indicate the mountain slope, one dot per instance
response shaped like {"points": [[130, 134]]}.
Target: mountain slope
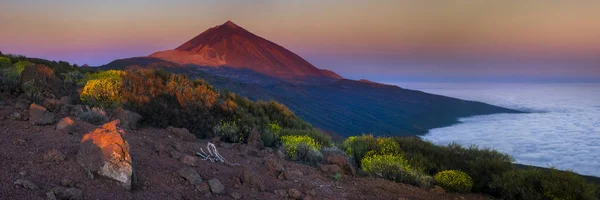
{"points": [[229, 57], [233, 46]]}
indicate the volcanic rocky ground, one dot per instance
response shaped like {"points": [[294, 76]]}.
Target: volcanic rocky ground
{"points": [[40, 162]]}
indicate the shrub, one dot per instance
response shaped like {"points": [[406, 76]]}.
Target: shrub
{"points": [[480, 164], [20, 66], [72, 77], [10, 79], [301, 148], [230, 131], [358, 146], [543, 184], [319, 137], [270, 135], [34, 93], [103, 89], [95, 116], [393, 167], [454, 181], [5, 61]]}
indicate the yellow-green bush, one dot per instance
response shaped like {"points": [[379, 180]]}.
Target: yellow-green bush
{"points": [[103, 89], [359, 146], [454, 181], [5, 61], [395, 168], [319, 137], [301, 148]]}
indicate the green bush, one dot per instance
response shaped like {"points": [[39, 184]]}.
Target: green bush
{"points": [[20, 66], [103, 89], [34, 93], [480, 164], [543, 184], [231, 131], [5, 61], [394, 167], [319, 137], [358, 146], [454, 181], [301, 148], [270, 135]]}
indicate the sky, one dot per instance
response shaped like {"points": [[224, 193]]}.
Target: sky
{"points": [[385, 40]]}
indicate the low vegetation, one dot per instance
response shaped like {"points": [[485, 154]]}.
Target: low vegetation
{"points": [[301, 148], [454, 181]]}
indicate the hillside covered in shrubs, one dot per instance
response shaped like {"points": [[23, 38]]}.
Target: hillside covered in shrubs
{"points": [[163, 99]]}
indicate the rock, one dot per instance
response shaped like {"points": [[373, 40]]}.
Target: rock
{"points": [[17, 116], [181, 133], [22, 104], [27, 184], [294, 193], [342, 162], [330, 169], [215, 186], [312, 192], [281, 193], [66, 125], [273, 165], [129, 119], [307, 197], [106, 152], [254, 139], [20, 142], [438, 190], [76, 110], [175, 154], [237, 183], [50, 196], [203, 187], [67, 182], [39, 115], [178, 146], [251, 180], [235, 195], [70, 193], [65, 100], [292, 175], [189, 160], [51, 104], [280, 154], [54, 156], [190, 175], [256, 153]]}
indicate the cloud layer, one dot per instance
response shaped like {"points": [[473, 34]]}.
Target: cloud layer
{"points": [[563, 129]]}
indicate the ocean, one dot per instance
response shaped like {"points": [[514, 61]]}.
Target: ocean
{"points": [[561, 128]]}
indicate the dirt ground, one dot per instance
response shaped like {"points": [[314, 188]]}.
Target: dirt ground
{"points": [[23, 146]]}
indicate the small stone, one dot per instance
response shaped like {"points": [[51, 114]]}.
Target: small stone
{"points": [[54, 156], [235, 195], [67, 182], [129, 119], [189, 160], [175, 154], [438, 189], [20, 142], [215, 186], [67, 125], [17, 116], [292, 175], [181, 133], [294, 193], [312, 192], [65, 100], [23, 173], [70, 193], [203, 187], [190, 175], [273, 165], [281, 193], [27, 184]]}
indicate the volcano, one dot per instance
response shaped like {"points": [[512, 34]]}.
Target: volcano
{"points": [[229, 45]]}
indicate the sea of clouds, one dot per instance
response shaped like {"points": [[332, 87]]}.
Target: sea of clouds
{"points": [[562, 128]]}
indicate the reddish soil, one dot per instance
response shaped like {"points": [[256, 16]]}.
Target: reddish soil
{"points": [[23, 145]]}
